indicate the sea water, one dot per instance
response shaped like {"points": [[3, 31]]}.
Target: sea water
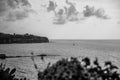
{"points": [[105, 50]]}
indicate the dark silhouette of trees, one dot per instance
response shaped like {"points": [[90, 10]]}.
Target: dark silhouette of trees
{"points": [[17, 38], [8, 74], [74, 70]]}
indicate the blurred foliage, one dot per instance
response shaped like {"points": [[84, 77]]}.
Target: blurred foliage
{"points": [[74, 69], [8, 74], [70, 69]]}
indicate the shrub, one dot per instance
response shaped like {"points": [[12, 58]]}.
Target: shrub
{"points": [[73, 69], [7, 74]]}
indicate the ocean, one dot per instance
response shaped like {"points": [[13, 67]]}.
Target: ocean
{"points": [[105, 50]]}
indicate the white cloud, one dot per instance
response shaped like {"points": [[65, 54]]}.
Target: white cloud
{"points": [[86, 28], [13, 10]]}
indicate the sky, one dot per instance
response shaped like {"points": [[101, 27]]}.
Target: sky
{"points": [[62, 19]]}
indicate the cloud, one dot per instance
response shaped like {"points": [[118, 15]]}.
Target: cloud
{"points": [[64, 14], [14, 9], [91, 11], [16, 3], [3, 7], [59, 20], [51, 6], [12, 3], [17, 15], [59, 17], [71, 10], [25, 2], [69, 13]]}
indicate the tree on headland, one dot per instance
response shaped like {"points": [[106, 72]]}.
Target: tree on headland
{"points": [[25, 38]]}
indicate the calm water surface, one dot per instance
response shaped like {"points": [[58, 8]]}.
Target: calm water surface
{"points": [[103, 49]]}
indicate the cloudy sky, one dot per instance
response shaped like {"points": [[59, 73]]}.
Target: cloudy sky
{"points": [[62, 19]]}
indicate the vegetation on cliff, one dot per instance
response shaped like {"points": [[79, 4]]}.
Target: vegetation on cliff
{"points": [[18, 38]]}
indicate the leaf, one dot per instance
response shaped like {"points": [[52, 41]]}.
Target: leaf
{"points": [[12, 71], [7, 70]]}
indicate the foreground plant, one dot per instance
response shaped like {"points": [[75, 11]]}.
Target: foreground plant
{"points": [[74, 69], [7, 74]]}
